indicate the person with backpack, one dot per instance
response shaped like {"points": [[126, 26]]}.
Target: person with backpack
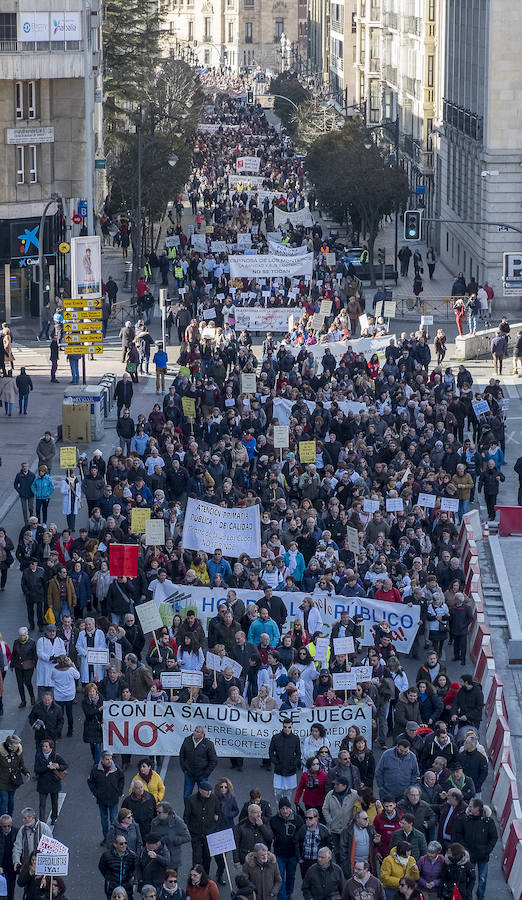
{"points": [[472, 308]]}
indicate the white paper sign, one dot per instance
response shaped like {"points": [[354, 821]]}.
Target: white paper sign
{"points": [[97, 657], [299, 217], [248, 164], [234, 531], [192, 679], [371, 506], [449, 504], [426, 320], [171, 679], [227, 663], [213, 661], [52, 863], [344, 681], [154, 532], [390, 307], [149, 616], [427, 500], [352, 536], [221, 841], [321, 649], [248, 383], [209, 314], [363, 322], [362, 673], [281, 437], [199, 243], [343, 645], [394, 504]]}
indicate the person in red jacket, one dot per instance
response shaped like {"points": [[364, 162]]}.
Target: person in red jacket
{"points": [[311, 787], [388, 593], [328, 699], [385, 823]]}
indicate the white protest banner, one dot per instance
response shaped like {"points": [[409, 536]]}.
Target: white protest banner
{"points": [[281, 437], [344, 681], [199, 243], [362, 673], [154, 532], [227, 663], [234, 531], [97, 657], [449, 504], [244, 238], [394, 504], [221, 842], [403, 619], [299, 217], [321, 649], [427, 500], [218, 246], [353, 539], [213, 661], [149, 616], [270, 266], [256, 318], [211, 128], [285, 250], [192, 679], [248, 164], [171, 680], [245, 181], [343, 645], [371, 506], [248, 383], [52, 863], [368, 346], [160, 728]]}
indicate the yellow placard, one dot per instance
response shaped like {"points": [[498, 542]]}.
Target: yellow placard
{"points": [[209, 229], [78, 316], [138, 519], [67, 457], [83, 349], [82, 326], [64, 247], [189, 407], [307, 451], [82, 304]]}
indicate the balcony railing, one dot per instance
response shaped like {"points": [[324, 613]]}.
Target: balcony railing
{"points": [[390, 73], [411, 86], [391, 20], [413, 25], [464, 120]]}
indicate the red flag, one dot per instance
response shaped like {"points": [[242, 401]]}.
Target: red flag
{"points": [[123, 559], [456, 893]]}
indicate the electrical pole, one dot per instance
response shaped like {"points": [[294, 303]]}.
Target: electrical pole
{"points": [[89, 154]]}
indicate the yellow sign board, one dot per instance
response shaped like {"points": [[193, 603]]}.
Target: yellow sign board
{"points": [[73, 316], [82, 304], [82, 326], [64, 247], [189, 407], [83, 349], [307, 451], [82, 338], [138, 519], [67, 457]]}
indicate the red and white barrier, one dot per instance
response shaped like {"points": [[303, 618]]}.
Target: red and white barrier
{"points": [[512, 859], [500, 743], [482, 639], [473, 579], [495, 695], [485, 668], [504, 794], [469, 555]]}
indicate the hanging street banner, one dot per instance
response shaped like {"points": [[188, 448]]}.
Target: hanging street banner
{"points": [[256, 318], [270, 266], [160, 728], [403, 619], [281, 249], [299, 217], [234, 531]]}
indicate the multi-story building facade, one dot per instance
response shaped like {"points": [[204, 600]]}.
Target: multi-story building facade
{"points": [[342, 52], [42, 144], [396, 63], [479, 136], [242, 35]]}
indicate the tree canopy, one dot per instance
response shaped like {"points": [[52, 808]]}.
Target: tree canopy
{"points": [[288, 85]]}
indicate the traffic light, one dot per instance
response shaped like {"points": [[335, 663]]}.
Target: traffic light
{"points": [[412, 225], [250, 96], [381, 256]]}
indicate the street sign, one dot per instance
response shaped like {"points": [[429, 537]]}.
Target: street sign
{"points": [[82, 208], [100, 164], [64, 247], [77, 219], [83, 349], [82, 326], [512, 272], [74, 316], [80, 304], [83, 338]]}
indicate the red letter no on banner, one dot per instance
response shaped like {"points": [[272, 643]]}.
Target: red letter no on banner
{"points": [[136, 734]]}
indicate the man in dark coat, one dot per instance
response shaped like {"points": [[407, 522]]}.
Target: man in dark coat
{"points": [[46, 719], [8, 834], [468, 705], [106, 784], [285, 753], [118, 866], [123, 393], [34, 589], [201, 816], [324, 879], [152, 862], [197, 758], [478, 832], [142, 806], [251, 831]]}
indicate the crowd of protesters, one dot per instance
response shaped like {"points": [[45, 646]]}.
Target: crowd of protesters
{"points": [[392, 815]]}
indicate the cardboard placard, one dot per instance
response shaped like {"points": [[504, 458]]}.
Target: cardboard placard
{"points": [[449, 504], [363, 322], [213, 661], [371, 506], [281, 436], [149, 616], [427, 500], [52, 864], [426, 320], [352, 536], [362, 673], [221, 841], [480, 407], [97, 657], [326, 307], [171, 680], [139, 517], [394, 504], [154, 532], [321, 649], [123, 560], [307, 452], [236, 667], [343, 645], [248, 383], [192, 679], [209, 314], [390, 309], [343, 681], [317, 321], [68, 457], [188, 405]]}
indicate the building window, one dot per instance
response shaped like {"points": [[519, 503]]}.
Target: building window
{"points": [[248, 33], [19, 95], [431, 10], [230, 32], [206, 57], [190, 30], [279, 25], [208, 29], [430, 70], [249, 4], [375, 101], [8, 31], [33, 169], [20, 166]]}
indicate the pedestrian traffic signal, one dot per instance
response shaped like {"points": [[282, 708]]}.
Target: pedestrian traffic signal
{"points": [[412, 225], [381, 256], [250, 96]]}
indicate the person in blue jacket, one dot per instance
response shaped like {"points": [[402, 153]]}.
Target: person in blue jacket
{"points": [[264, 625], [218, 565], [294, 561], [160, 360]]}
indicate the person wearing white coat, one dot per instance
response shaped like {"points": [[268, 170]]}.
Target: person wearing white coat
{"points": [[307, 675], [312, 617], [48, 649], [71, 490], [91, 639]]}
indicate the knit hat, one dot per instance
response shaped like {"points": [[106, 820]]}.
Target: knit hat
{"points": [[284, 801]]}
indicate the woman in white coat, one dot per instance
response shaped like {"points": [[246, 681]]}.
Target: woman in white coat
{"points": [[91, 639], [71, 490], [311, 615]]}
